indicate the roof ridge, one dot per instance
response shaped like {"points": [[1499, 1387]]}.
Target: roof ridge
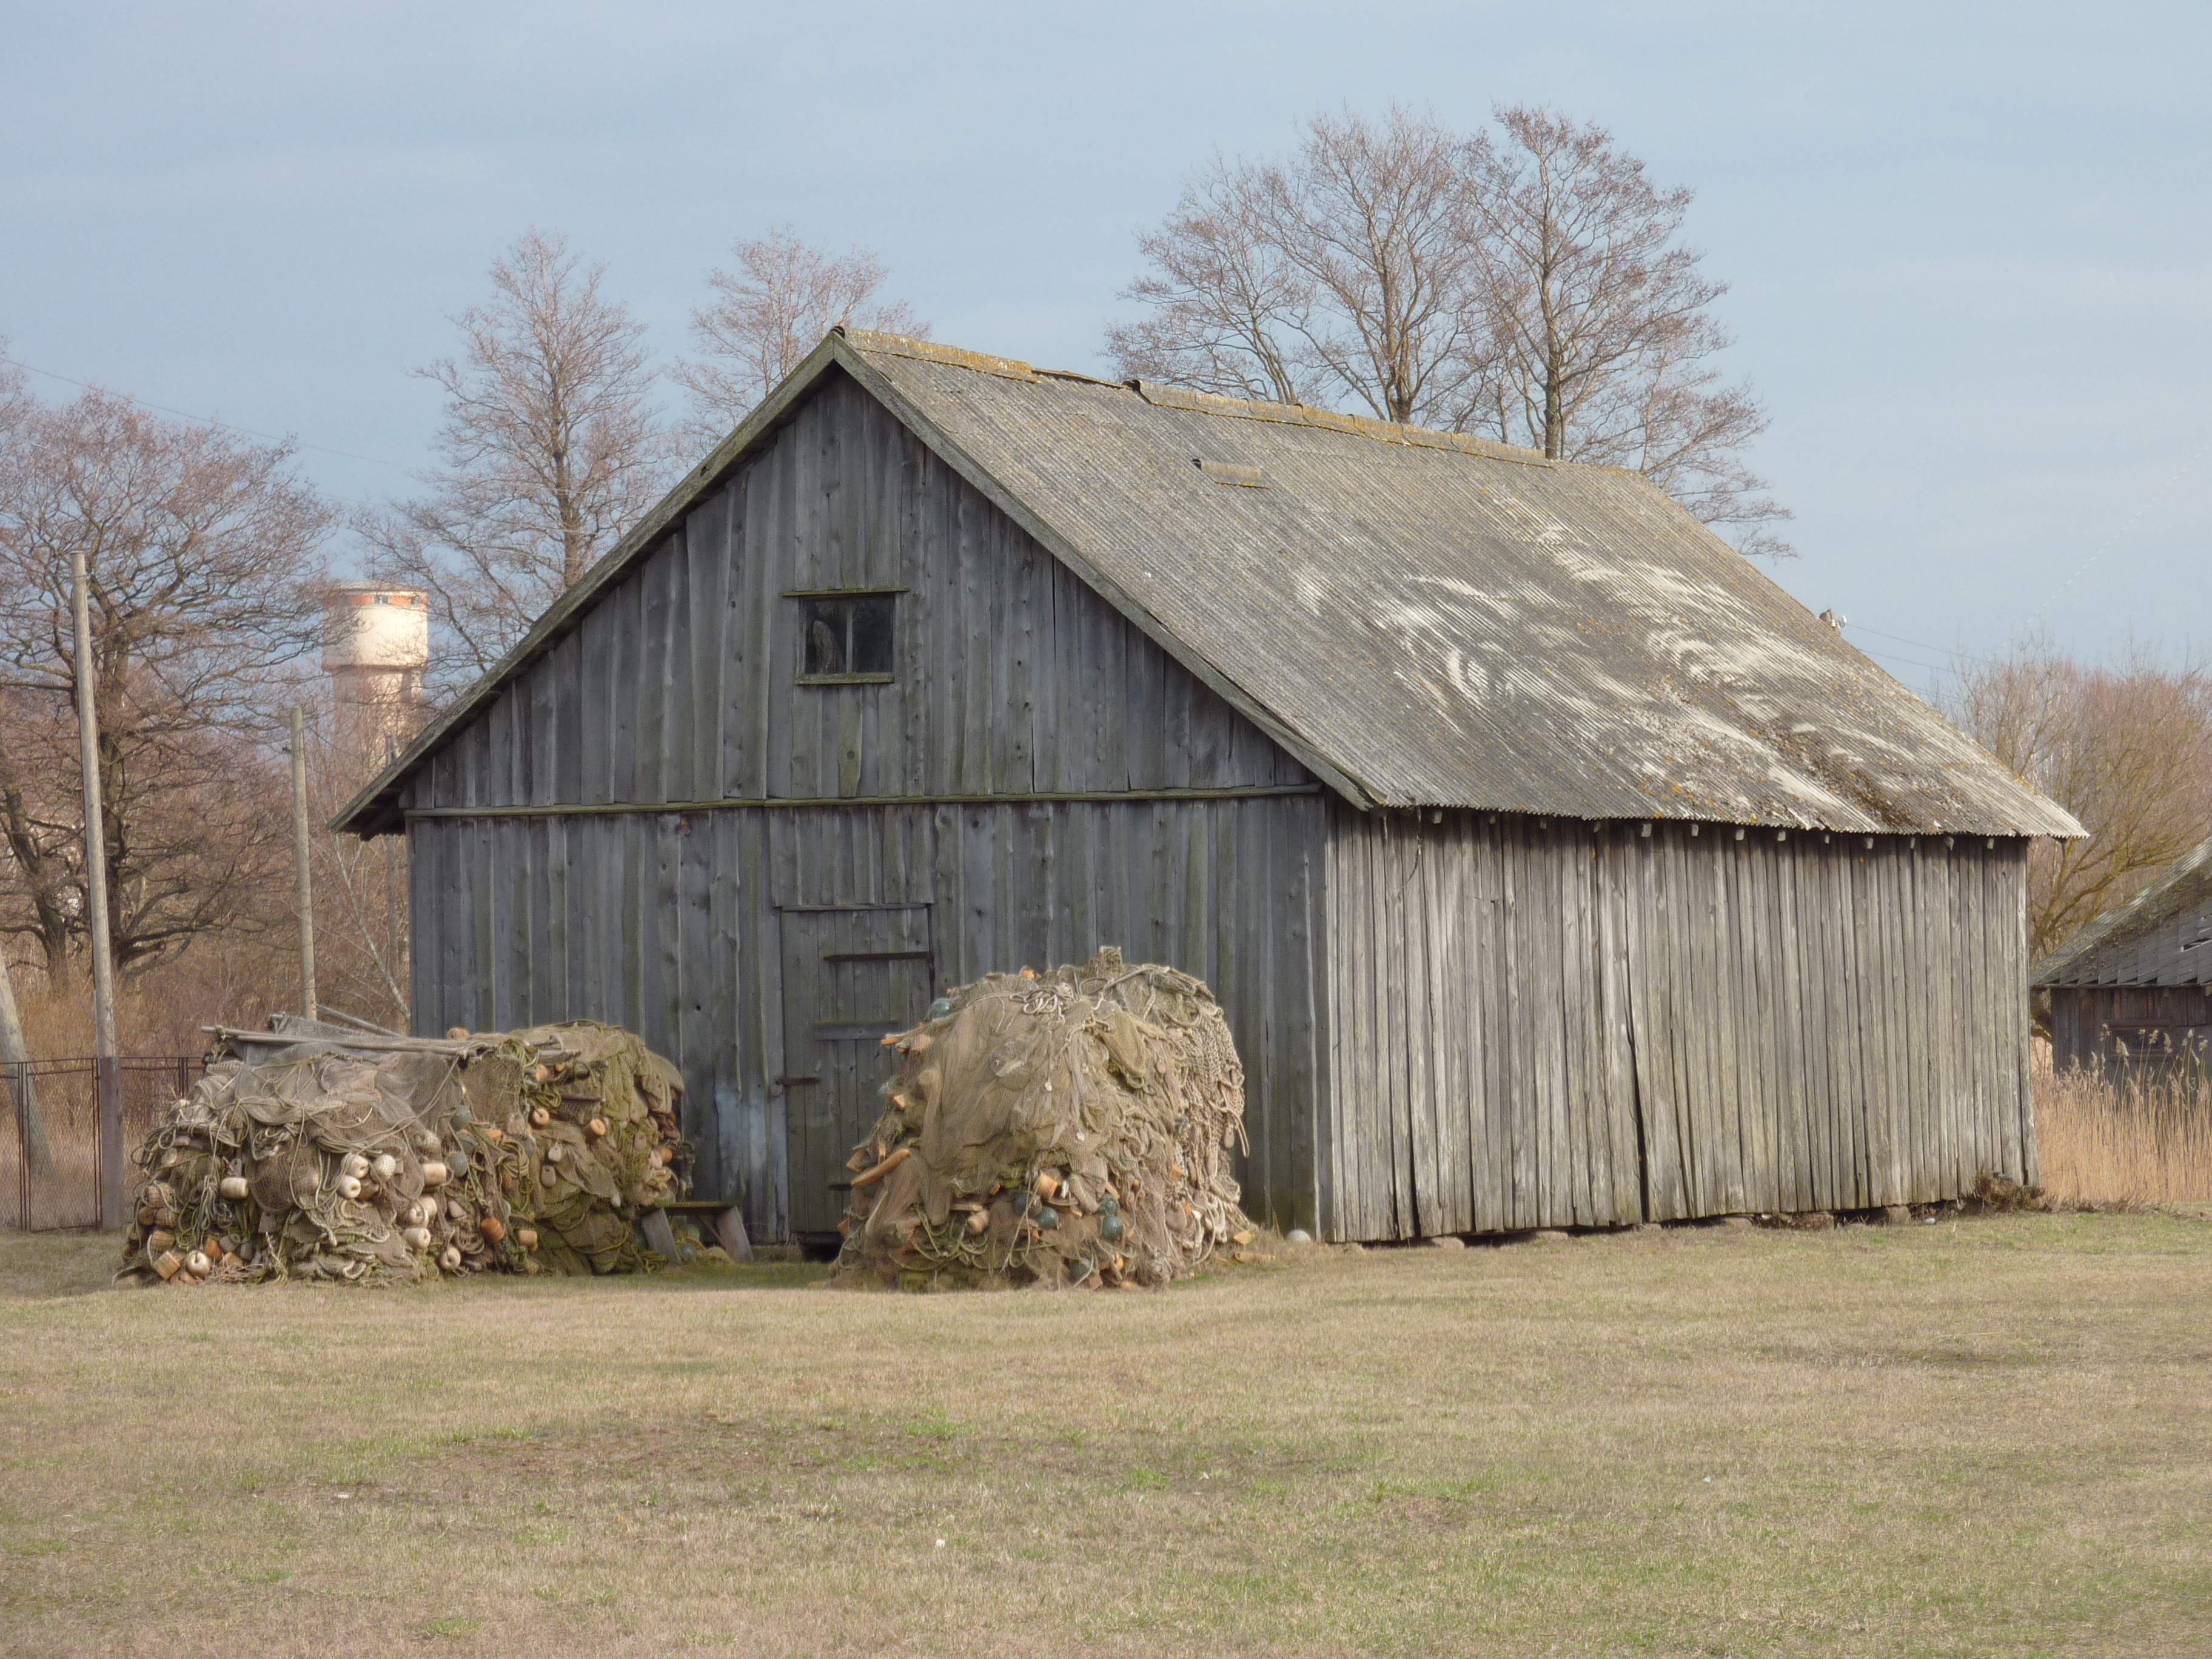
{"points": [[1164, 396], [901, 345]]}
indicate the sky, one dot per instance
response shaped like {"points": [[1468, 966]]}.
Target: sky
{"points": [[1968, 246]]}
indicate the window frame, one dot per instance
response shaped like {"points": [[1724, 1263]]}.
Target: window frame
{"points": [[800, 677]]}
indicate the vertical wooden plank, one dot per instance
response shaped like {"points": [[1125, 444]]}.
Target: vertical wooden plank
{"points": [[1615, 1079], [680, 712], [1573, 1197], [1809, 972], [1752, 971], [1453, 970], [1359, 1134], [2008, 861], [1296, 1014]]}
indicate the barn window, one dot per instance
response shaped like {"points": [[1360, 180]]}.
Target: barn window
{"points": [[845, 639]]}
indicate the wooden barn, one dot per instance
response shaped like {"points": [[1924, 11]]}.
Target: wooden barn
{"points": [[1553, 865], [2137, 983]]}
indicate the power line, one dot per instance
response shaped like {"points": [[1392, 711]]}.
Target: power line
{"points": [[1933, 668], [209, 420], [2187, 469], [1917, 645]]}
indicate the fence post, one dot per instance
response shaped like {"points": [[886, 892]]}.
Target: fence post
{"points": [[111, 1143], [19, 1079], [31, 1143]]}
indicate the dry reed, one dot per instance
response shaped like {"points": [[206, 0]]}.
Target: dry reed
{"points": [[165, 1009], [2133, 1133]]}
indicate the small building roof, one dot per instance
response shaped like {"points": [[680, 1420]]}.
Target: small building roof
{"points": [[1423, 618], [2162, 936]]}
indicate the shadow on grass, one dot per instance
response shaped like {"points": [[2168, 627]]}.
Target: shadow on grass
{"points": [[36, 1266]]}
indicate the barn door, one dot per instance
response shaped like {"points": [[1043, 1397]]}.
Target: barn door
{"points": [[850, 976]]}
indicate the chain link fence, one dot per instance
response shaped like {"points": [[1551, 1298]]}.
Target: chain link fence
{"points": [[54, 1170]]}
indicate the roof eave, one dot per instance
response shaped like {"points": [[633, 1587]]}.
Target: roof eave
{"points": [[2061, 968]]}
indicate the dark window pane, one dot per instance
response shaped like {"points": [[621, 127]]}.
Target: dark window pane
{"points": [[841, 636], [870, 637]]}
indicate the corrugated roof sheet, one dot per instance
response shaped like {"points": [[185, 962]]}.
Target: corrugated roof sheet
{"points": [[2117, 948], [1453, 622], [1427, 619]]}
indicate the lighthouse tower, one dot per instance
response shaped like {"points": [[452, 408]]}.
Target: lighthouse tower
{"points": [[376, 643]]}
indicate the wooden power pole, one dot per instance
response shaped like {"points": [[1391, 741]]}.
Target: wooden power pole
{"points": [[95, 886], [301, 876]]}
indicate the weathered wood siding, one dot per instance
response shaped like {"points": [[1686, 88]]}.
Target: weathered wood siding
{"points": [[1560, 1023], [1013, 677], [2092, 1024], [667, 924], [1468, 1024], [983, 779]]}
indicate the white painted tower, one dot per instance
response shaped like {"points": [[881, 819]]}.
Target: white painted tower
{"points": [[376, 643]]}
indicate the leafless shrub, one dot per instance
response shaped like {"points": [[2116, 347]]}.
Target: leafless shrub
{"points": [[550, 447], [2127, 749], [783, 296], [233, 977]]}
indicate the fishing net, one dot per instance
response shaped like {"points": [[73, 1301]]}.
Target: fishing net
{"points": [[1071, 1128], [313, 1152]]}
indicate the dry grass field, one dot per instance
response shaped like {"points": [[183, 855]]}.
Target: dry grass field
{"points": [[1982, 1436]]}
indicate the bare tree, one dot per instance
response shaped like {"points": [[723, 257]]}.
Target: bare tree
{"points": [[1226, 310], [203, 552], [1341, 275], [1376, 219], [767, 313], [2127, 749], [550, 447], [1600, 335], [1528, 286]]}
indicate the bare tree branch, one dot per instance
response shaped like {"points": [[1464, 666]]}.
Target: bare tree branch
{"points": [[361, 924], [1339, 275], [1598, 322], [1528, 286], [2127, 749], [204, 554], [1228, 313], [769, 312], [551, 450], [1377, 220]]}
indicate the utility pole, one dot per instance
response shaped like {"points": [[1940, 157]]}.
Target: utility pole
{"points": [[306, 887], [95, 886]]}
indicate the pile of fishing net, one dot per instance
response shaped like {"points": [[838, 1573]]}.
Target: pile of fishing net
{"points": [[1070, 1128], [315, 1152]]}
